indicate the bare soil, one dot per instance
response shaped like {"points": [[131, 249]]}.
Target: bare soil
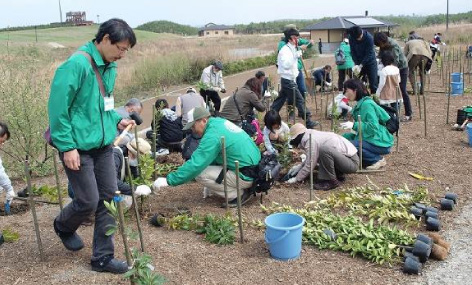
{"points": [[185, 258]]}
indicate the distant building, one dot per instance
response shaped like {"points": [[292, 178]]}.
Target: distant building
{"points": [[333, 31], [77, 19], [213, 30]]}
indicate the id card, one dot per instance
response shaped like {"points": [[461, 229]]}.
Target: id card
{"points": [[109, 103]]}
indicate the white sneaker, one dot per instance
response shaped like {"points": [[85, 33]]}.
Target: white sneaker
{"points": [[206, 193], [377, 165], [162, 151]]}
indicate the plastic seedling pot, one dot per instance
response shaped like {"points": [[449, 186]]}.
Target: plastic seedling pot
{"points": [[433, 224], [417, 212], [431, 214], [431, 209], [411, 266], [447, 204], [157, 220], [420, 206], [2, 240], [410, 255], [451, 196], [424, 238], [422, 250]]}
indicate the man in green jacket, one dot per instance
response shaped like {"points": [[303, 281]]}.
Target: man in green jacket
{"points": [[83, 125], [205, 164]]}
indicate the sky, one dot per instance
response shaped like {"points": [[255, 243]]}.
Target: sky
{"points": [[199, 12]]}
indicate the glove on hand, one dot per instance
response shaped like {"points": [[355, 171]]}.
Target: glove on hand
{"points": [[160, 182], [217, 89], [299, 53], [223, 90], [10, 195], [357, 69], [347, 125], [328, 84], [303, 157], [291, 180], [142, 190], [294, 170]]}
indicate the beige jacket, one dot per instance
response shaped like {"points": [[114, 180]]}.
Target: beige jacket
{"points": [[418, 47], [318, 140]]}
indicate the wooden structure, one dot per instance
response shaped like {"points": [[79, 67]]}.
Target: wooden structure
{"points": [[77, 19], [214, 30]]}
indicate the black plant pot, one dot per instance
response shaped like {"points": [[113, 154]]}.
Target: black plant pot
{"points": [[420, 206], [432, 214], [446, 204], [432, 209], [451, 196], [424, 238], [422, 250], [417, 212], [411, 266], [157, 220], [433, 224], [410, 255], [2, 240]]}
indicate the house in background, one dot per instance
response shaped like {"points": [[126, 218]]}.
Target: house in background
{"points": [[334, 30], [213, 30]]}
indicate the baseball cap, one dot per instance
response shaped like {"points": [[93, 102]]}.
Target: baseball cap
{"points": [[194, 115], [218, 64], [296, 130]]}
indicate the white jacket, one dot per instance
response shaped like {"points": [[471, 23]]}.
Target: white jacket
{"points": [[5, 183], [287, 61], [213, 79]]}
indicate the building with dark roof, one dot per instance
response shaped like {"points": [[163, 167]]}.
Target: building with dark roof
{"points": [[214, 30], [333, 31]]}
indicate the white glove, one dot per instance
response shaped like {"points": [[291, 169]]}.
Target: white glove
{"points": [[303, 157], [294, 170], [299, 53], [10, 195], [328, 84], [443, 44], [357, 68], [160, 182], [267, 94], [291, 180], [347, 125], [142, 190]]}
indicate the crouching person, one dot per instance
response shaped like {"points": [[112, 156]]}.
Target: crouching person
{"points": [[335, 155], [206, 162]]}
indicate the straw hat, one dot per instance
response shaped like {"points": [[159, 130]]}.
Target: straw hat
{"points": [[144, 146], [296, 130]]}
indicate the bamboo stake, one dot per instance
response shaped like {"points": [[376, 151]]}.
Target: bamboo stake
{"points": [[58, 184], [397, 91], [121, 220], [448, 99], [36, 201], [154, 136], [139, 165], [359, 127], [294, 104], [138, 217], [304, 107], [225, 169], [33, 210], [240, 219], [424, 102], [311, 170]]}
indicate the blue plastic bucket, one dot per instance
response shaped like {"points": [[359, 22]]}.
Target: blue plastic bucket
{"points": [[469, 133], [457, 88], [284, 235], [456, 77]]}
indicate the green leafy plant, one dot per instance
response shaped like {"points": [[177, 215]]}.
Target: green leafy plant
{"points": [[165, 168], [142, 271], [10, 236], [48, 192], [285, 156], [112, 211], [146, 166]]}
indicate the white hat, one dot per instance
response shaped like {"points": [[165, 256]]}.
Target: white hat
{"points": [[346, 40]]}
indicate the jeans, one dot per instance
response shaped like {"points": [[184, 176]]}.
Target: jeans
{"points": [[301, 83], [213, 96], [93, 183], [406, 98], [370, 152], [287, 90]]}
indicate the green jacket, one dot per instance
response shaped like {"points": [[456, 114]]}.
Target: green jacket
{"points": [[301, 41], [400, 59], [373, 119], [76, 107], [239, 146], [346, 48]]}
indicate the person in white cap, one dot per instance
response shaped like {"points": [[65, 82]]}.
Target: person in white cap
{"points": [[335, 155], [206, 162], [345, 68]]}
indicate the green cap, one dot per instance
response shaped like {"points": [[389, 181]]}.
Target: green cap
{"points": [[194, 115]]}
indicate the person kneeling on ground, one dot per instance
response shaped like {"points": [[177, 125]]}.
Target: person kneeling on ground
{"points": [[322, 77], [275, 131], [169, 135], [376, 139], [335, 155], [206, 163]]}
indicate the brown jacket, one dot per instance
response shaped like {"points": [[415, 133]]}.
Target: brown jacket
{"points": [[247, 100], [319, 139], [418, 46]]}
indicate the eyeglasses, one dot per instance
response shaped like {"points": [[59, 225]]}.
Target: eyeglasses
{"points": [[122, 49]]}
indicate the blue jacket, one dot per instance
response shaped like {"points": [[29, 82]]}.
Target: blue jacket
{"points": [[362, 51]]}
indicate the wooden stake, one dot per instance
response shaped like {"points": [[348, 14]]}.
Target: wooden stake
{"points": [[240, 220], [225, 169], [397, 91], [139, 166], [138, 217], [58, 184], [311, 169], [121, 220], [359, 127], [33, 210], [448, 98]]}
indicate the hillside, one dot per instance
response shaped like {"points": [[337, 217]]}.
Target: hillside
{"points": [[167, 27]]}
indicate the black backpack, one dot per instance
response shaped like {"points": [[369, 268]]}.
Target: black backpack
{"points": [[339, 57], [264, 174], [393, 124]]}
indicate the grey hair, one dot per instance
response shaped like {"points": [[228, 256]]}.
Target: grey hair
{"points": [[134, 102]]}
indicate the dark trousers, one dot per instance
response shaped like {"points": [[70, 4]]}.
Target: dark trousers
{"points": [[342, 77], [370, 153], [93, 183], [300, 83], [417, 63], [372, 74], [332, 162], [213, 96], [406, 98], [287, 89]]}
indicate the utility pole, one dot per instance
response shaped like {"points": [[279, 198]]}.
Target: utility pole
{"points": [[447, 16], [98, 19], [60, 10]]}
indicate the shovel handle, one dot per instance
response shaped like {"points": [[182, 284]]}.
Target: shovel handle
{"points": [[122, 135]]}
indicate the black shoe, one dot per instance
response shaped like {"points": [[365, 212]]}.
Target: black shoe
{"points": [[234, 203], [71, 241], [311, 124], [326, 185], [110, 264]]}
